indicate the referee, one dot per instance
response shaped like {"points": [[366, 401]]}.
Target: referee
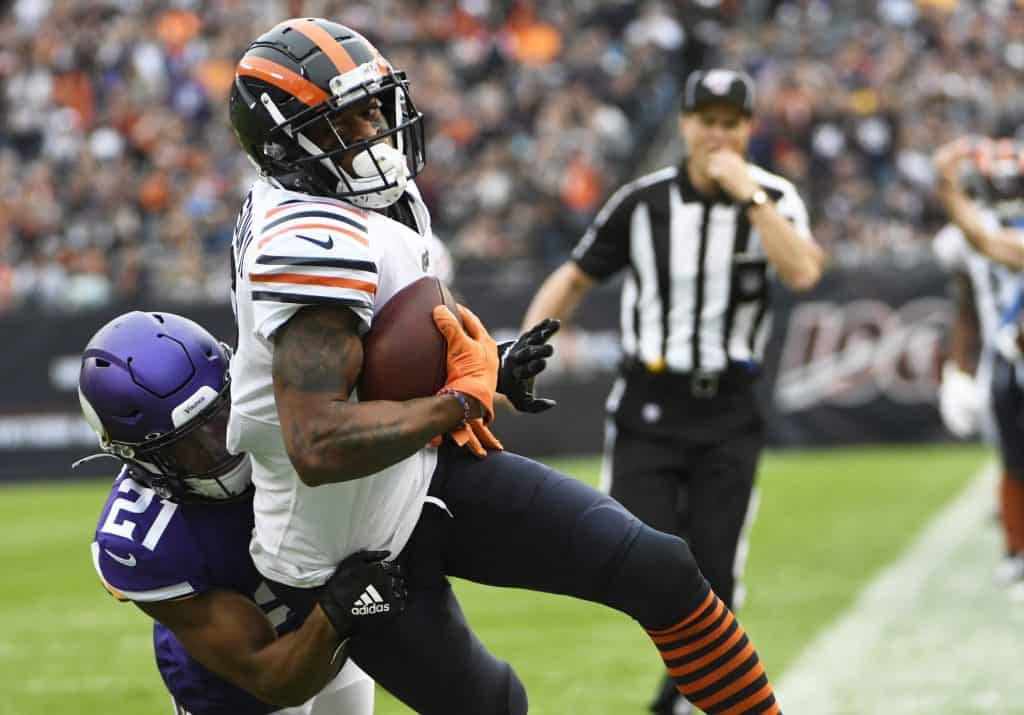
{"points": [[699, 243]]}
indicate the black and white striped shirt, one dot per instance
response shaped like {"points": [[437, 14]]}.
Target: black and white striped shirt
{"points": [[696, 294]]}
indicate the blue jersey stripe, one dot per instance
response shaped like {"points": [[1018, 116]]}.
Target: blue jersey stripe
{"points": [[352, 264], [333, 215], [274, 297]]}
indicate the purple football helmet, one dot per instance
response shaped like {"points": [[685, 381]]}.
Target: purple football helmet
{"points": [[155, 388]]}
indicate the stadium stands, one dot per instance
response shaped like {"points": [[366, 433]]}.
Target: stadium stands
{"points": [[119, 177]]}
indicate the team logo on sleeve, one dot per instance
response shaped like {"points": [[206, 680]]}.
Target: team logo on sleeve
{"points": [[328, 244], [129, 561]]}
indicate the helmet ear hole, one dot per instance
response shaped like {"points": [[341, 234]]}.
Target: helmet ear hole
{"points": [[100, 362]]}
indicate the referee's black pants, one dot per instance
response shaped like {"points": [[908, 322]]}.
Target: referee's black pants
{"points": [[686, 465]]}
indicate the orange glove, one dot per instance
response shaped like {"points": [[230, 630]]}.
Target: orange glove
{"points": [[472, 357], [477, 436]]}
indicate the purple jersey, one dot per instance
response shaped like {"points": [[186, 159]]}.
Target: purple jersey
{"points": [[150, 549]]}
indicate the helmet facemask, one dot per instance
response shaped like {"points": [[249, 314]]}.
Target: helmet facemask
{"points": [[191, 463], [311, 152]]}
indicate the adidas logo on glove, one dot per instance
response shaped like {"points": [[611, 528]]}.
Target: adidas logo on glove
{"points": [[370, 603]]}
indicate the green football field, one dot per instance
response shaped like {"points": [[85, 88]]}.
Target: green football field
{"points": [[830, 521]]}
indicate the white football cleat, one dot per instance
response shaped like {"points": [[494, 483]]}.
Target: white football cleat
{"points": [[1009, 571]]}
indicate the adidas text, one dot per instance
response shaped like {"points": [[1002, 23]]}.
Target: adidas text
{"points": [[371, 609]]}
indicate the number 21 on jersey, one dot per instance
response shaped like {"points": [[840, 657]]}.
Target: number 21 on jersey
{"points": [[139, 504]]}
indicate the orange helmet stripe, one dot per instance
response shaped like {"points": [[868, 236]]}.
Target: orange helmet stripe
{"points": [[322, 39], [282, 78]]}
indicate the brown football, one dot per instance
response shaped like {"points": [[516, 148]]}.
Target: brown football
{"points": [[404, 354]]}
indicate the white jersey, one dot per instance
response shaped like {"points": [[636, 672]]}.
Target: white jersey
{"points": [[995, 286], [292, 250], [995, 290]]}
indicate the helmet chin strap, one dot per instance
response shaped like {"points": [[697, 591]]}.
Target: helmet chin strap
{"points": [[391, 163]]}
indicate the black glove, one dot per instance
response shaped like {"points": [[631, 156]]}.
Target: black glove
{"points": [[365, 589], [521, 360]]}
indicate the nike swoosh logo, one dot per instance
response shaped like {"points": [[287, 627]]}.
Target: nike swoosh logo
{"points": [[129, 562], [328, 244]]}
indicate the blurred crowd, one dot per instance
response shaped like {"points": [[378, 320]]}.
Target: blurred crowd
{"points": [[120, 178], [856, 96]]}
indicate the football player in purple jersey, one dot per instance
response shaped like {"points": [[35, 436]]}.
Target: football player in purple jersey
{"points": [[173, 536]]}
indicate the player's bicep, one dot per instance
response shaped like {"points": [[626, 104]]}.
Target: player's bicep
{"points": [[220, 629], [318, 352], [318, 356]]}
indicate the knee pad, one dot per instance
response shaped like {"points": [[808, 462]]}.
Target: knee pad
{"points": [[658, 580]]}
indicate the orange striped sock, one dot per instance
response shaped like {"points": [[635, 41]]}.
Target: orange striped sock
{"points": [[1012, 508], [713, 662]]}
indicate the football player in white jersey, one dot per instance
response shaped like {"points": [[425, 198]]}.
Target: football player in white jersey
{"points": [[983, 290], [330, 231], [1002, 241]]}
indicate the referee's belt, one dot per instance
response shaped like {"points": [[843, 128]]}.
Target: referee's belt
{"points": [[700, 383]]}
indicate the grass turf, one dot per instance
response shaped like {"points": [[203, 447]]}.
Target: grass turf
{"points": [[829, 520]]}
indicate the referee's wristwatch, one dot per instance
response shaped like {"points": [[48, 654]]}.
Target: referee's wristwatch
{"points": [[757, 199]]}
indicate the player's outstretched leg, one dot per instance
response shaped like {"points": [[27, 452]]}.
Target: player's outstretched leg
{"points": [[705, 649], [519, 523]]}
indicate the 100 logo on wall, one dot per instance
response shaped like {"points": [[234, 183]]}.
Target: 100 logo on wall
{"points": [[850, 354]]}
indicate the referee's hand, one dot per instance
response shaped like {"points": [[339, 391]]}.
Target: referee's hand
{"points": [[729, 169]]}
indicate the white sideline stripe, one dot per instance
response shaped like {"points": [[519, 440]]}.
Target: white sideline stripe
{"points": [[846, 661]]}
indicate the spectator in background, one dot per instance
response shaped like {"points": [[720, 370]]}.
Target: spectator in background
{"points": [[98, 90], [566, 95]]}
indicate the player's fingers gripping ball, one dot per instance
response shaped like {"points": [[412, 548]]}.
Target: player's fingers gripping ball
{"points": [[472, 357], [364, 589], [475, 434]]}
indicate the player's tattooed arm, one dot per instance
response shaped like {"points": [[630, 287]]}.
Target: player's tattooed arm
{"points": [[318, 356]]}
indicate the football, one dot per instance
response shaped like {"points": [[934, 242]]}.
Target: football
{"points": [[404, 354]]}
